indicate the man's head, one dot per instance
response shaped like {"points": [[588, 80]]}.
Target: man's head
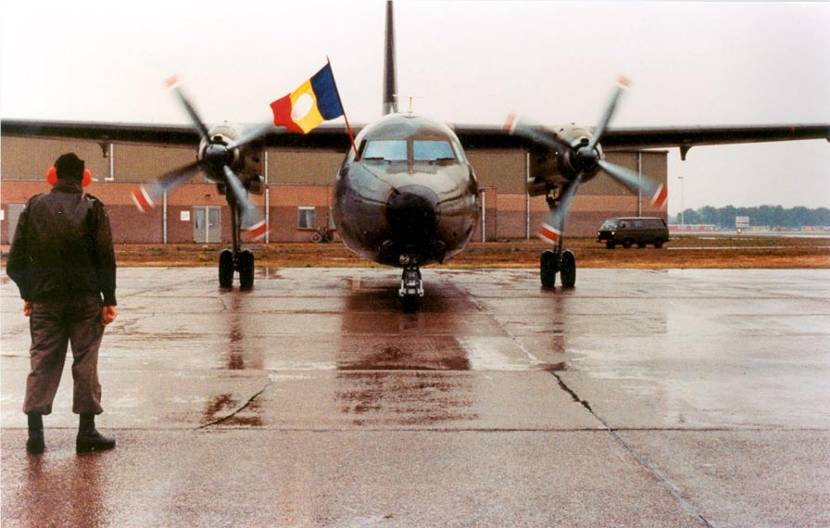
{"points": [[70, 167]]}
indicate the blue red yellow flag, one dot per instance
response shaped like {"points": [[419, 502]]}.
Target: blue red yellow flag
{"points": [[313, 102]]}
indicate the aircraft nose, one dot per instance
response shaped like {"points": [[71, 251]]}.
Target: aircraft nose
{"points": [[412, 213]]}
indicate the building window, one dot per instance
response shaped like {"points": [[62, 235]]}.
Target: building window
{"points": [[306, 217]]}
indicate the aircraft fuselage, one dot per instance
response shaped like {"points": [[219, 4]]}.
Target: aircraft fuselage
{"points": [[410, 197]]}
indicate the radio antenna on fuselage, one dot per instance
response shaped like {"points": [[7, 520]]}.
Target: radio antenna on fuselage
{"points": [[390, 91]]}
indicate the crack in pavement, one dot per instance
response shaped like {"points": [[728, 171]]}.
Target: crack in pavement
{"points": [[662, 479], [642, 460], [237, 410]]}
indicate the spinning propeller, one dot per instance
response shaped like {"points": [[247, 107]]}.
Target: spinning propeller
{"points": [[583, 157], [216, 158]]}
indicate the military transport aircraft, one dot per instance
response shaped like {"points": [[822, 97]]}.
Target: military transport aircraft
{"points": [[408, 196]]}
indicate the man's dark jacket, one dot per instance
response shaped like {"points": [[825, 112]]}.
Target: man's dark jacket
{"points": [[63, 246]]}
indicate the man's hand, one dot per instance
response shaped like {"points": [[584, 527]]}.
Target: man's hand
{"points": [[27, 308], [108, 314]]}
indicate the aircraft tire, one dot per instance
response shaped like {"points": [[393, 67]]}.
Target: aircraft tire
{"points": [[610, 244], [627, 243], [658, 243], [246, 269], [568, 271], [547, 269], [226, 268]]}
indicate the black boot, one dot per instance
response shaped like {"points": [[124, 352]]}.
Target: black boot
{"points": [[89, 439], [35, 444]]}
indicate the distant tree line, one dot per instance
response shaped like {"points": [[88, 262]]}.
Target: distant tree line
{"points": [[765, 215]]}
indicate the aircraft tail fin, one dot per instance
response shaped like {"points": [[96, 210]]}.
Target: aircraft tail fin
{"points": [[390, 88]]}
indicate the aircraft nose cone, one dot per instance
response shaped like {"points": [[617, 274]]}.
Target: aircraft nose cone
{"points": [[411, 213]]}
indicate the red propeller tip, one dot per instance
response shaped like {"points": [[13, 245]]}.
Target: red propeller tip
{"points": [[256, 231], [142, 200], [171, 81], [624, 81], [660, 197], [509, 124], [549, 234]]}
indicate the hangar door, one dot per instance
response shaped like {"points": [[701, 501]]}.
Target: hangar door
{"points": [[207, 224]]}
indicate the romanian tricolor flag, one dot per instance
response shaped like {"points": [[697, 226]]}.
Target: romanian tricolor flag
{"points": [[315, 101]]}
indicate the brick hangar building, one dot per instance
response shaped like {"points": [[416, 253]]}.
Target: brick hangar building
{"points": [[298, 195]]}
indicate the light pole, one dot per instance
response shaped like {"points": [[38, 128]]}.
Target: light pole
{"points": [[682, 206]]}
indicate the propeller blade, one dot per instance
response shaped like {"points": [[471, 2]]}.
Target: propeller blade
{"points": [[250, 218], [622, 84], [514, 125], [146, 196], [552, 230], [250, 135], [635, 181], [173, 84]]}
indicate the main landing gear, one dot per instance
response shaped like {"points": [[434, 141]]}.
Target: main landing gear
{"points": [[243, 262], [236, 258], [558, 261]]}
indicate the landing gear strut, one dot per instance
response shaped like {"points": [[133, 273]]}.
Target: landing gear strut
{"points": [[236, 259]]}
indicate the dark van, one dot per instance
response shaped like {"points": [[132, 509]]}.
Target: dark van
{"points": [[640, 230]]}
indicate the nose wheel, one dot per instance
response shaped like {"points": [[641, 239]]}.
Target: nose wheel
{"points": [[553, 262], [243, 262], [412, 286]]}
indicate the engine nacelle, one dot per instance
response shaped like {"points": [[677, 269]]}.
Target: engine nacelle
{"points": [[543, 173], [255, 184], [549, 169]]}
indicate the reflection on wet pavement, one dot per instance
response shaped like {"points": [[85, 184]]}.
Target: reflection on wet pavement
{"points": [[302, 398], [79, 477], [395, 353], [396, 379], [397, 398]]}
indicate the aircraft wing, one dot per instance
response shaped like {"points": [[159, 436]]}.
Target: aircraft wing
{"points": [[483, 136], [323, 137], [334, 137]]}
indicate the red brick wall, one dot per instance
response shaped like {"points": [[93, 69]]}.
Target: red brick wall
{"points": [[505, 212]]}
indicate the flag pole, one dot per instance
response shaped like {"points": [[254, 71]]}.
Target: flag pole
{"points": [[345, 117]]}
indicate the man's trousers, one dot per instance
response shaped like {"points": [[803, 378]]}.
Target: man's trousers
{"points": [[53, 325]]}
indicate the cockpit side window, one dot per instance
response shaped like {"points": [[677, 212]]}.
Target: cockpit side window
{"points": [[432, 150], [385, 149]]}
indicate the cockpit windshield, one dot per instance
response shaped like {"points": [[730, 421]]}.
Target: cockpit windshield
{"points": [[395, 150], [432, 150], [385, 149], [609, 224]]}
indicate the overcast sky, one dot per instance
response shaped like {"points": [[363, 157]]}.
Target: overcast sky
{"points": [[465, 62]]}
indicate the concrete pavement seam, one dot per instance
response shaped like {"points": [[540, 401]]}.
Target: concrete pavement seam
{"points": [[644, 462]]}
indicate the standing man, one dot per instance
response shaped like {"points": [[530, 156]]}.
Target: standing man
{"points": [[64, 265]]}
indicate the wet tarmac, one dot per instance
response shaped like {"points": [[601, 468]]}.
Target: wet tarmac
{"points": [[640, 398]]}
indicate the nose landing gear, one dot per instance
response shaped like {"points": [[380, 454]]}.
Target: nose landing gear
{"points": [[412, 286]]}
